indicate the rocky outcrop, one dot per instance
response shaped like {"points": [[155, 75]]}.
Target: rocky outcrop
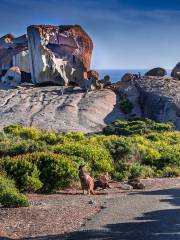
{"points": [[127, 77], [176, 71], [46, 108], [12, 53], [59, 54], [156, 72], [153, 97], [12, 77], [106, 81]]}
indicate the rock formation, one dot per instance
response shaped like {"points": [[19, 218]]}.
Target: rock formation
{"points": [[106, 81], [50, 54], [46, 108], [157, 98], [59, 54], [176, 71], [13, 52], [156, 72], [12, 77]]}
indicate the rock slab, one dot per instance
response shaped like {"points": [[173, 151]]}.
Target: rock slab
{"points": [[45, 108]]}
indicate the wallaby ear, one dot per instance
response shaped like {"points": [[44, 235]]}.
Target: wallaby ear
{"points": [[81, 166]]}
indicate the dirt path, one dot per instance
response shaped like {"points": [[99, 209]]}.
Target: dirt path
{"points": [[137, 216]]}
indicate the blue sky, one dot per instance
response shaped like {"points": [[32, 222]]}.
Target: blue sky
{"points": [[126, 33]]}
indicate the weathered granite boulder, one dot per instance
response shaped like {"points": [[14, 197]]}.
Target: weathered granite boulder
{"points": [[59, 54], [176, 71], [127, 77], [14, 52], [106, 81], [12, 77], [157, 98], [93, 74], [157, 72]]}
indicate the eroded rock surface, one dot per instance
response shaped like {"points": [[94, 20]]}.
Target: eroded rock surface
{"points": [[10, 47], [157, 98], [59, 54], [46, 108]]}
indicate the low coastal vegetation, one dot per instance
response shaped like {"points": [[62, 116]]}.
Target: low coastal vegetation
{"points": [[33, 160]]}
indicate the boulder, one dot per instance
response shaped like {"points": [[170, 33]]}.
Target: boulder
{"points": [[12, 77], [127, 77], [59, 54], [93, 74], [10, 48], [136, 184], [157, 72], [106, 81], [176, 71], [126, 187]]}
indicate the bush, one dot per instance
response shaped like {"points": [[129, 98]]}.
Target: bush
{"points": [[24, 173], [126, 106], [120, 149], [97, 157], [48, 171], [24, 132], [15, 147], [140, 171], [9, 195], [50, 137], [132, 127], [56, 171], [171, 172]]}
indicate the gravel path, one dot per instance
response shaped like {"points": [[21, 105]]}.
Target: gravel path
{"points": [[136, 216]]}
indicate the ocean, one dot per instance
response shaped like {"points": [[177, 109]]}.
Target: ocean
{"points": [[117, 74]]}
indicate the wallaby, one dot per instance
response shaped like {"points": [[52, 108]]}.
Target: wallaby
{"points": [[102, 182], [87, 182]]}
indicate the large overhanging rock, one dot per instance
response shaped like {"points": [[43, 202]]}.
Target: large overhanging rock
{"points": [[59, 54]]}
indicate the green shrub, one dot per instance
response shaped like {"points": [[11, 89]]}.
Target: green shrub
{"points": [[75, 136], [56, 171], [138, 170], [96, 156], [171, 172], [15, 147], [9, 195], [24, 173], [50, 137], [120, 149], [132, 127], [24, 132], [126, 106], [2, 137]]}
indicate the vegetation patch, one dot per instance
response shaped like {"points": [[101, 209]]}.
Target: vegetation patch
{"points": [[10, 195], [41, 161], [126, 106]]}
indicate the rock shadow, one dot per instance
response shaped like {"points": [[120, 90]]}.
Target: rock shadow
{"points": [[115, 114]]}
